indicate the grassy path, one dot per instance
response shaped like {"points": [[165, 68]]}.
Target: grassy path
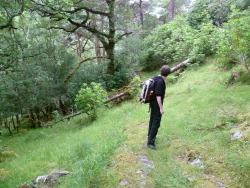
{"points": [[201, 114], [194, 142], [130, 165]]}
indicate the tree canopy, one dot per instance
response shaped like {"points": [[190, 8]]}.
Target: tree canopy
{"points": [[50, 49]]}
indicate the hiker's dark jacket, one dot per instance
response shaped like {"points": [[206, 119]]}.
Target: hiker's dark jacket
{"points": [[160, 88], [155, 114]]}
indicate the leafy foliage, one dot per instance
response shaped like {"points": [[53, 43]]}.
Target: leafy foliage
{"points": [[171, 41], [10, 9], [135, 86], [235, 44], [33, 72], [126, 61], [198, 15], [219, 11], [204, 41], [35, 61], [244, 78], [176, 41], [89, 98]]}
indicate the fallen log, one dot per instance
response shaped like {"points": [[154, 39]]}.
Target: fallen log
{"points": [[173, 69], [180, 65], [116, 96], [43, 124]]}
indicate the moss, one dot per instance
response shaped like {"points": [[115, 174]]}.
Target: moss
{"points": [[3, 173]]}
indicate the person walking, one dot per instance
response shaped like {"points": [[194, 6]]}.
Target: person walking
{"points": [[156, 105]]}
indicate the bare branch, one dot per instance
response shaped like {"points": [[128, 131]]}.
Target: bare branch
{"points": [[124, 34], [78, 65], [89, 28], [64, 29], [9, 22], [86, 42], [86, 9]]}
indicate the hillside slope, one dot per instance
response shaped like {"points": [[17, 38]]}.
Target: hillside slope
{"points": [[194, 144]]}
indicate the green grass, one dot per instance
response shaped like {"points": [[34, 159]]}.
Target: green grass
{"points": [[82, 150], [201, 113], [194, 106]]}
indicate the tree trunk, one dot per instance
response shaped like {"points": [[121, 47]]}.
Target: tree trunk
{"points": [[62, 107], [45, 114], [37, 111], [180, 65], [97, 41], [110, 68], [79, 45], [7, 126], [110, 47], [111, 64], [17, 121], [102, 28], [49, 109], [98, 50], [13, 122], [141, 12], [171, 9], [32, 119]]}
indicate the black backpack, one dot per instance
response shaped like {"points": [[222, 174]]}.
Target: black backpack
{"points": [[147, 91]]}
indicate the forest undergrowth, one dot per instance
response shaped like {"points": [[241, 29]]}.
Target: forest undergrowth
{"points": [[196, 146]]}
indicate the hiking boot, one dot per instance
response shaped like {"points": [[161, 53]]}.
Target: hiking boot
{"points": [[151, 146]]}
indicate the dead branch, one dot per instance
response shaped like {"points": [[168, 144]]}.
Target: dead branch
{"points": [[78, 65]]}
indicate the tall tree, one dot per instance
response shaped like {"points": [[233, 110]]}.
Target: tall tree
{"points": [[33, 66], [82, 14], [140, 8], [217, 10], [171, 9], [141, 12], [199, 14]]}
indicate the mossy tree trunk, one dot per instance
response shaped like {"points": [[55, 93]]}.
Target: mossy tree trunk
{"points": [[32, 119]]}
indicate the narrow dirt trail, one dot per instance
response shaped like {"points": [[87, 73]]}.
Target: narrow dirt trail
{"points": [[130, 165]]}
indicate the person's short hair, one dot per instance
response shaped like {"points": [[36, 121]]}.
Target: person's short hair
{"points": [[165, 70]]}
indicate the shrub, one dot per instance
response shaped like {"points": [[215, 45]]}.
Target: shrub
{"points": [[235, 44], [149, 61], [244, 78], [135, 83], [90, 72], [177, 41], [127, 56], [89, 98]]}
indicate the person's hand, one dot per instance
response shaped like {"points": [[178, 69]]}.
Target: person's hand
{"points": [[162, 111]]}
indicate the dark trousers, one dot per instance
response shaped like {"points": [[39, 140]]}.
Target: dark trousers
{"points": [[154, 123]]}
